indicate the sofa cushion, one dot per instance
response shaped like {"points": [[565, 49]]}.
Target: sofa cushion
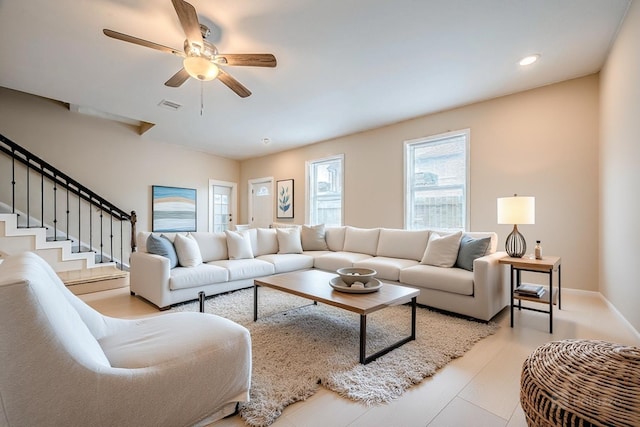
{"points": [[187, 250], [361, 240], [312, 237], [386, 268], [160, 245], [239, 244], [246, 268], [442, 251], [267, 241], [335, 260], [289, 240], [335, 238], [203, 274], [454, 280], [470, 250], [164, 340], [213, 246], [407, 244], [288, 262]]}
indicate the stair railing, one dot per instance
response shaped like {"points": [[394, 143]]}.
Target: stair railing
{"points": [[57, 191]]}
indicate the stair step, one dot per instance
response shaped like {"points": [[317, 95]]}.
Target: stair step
{"points": [[94, 279]]}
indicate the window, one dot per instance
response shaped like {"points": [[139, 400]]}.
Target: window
{"points": [[436, 182], [325, 190]]}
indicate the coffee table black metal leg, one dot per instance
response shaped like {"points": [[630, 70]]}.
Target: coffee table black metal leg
{"points": [[363, 336], [255, 302]]}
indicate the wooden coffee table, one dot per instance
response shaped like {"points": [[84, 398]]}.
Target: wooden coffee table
{"points": [[314, 285]]}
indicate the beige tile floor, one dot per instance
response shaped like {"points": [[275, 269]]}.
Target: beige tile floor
{"points": [[479, 389]]}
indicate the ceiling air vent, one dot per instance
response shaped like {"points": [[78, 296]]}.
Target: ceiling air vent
{"points": [[171, 105]]}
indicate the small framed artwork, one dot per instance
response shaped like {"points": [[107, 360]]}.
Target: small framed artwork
{"points": [[174, 209], [284, 196]]}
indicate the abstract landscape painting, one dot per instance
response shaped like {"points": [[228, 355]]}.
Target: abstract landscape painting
{"points": [[174, 209]]}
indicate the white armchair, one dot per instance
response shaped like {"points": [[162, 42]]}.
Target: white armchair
{"points": [[63, 363]]}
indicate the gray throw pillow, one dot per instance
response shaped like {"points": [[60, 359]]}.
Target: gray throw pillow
{"points": [[470, 249], [160, 245]]}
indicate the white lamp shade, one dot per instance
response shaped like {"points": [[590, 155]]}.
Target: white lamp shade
{"points": [[200, 68], [516, 210]]}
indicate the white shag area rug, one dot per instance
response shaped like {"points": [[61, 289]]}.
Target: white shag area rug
{"points": [[298, 346]]}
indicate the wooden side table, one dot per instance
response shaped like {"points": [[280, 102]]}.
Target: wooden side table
{"points": [[546, 265]]}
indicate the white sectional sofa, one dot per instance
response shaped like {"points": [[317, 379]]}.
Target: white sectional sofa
{"points": [[444, 267]]}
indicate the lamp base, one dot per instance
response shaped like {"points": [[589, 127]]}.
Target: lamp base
{"points": [[515, 245]]}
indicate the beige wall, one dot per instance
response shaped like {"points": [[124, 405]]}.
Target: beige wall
{"points": [[542, 142], [620, 170], [109, 157]]}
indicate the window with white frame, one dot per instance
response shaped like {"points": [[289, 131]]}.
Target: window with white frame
{"points": [[437, 182], [325, 191]]}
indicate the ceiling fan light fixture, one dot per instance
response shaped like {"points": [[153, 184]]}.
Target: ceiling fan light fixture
{"points": [[200, 68]]}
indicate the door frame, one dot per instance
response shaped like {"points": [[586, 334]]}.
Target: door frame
{"points": [[250, 183], [234, 200]]}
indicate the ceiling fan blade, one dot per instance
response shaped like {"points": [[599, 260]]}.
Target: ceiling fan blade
{"points": [[135, 40], [189, 21], [178, 78], [247, 59], [233, 84]]}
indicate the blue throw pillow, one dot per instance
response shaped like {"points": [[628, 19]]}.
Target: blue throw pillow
{"points": [[470, 249], [160, 245]]}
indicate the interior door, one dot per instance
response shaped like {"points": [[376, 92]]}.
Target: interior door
{"points": [[261, 202], [222, 205]]}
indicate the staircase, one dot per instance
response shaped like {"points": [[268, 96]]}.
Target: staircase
{"points": [[80, 234]]}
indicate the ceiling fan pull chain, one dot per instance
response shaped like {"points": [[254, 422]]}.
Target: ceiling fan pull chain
{"points": [[201, 97]]}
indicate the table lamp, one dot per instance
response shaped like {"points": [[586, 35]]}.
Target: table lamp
{"points": [[516, 210]]}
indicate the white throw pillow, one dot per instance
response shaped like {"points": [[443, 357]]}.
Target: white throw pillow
{"points": [[442, 251], [239, 245], [187, 250], [289, 241], [312, 237]]}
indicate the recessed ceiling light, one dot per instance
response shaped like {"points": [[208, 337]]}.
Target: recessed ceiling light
{"points": [[528, 60], [266, 141]]}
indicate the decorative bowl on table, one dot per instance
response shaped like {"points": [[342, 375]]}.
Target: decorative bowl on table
{"points": [[350, 275]]}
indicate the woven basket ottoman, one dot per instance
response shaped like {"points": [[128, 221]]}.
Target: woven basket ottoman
{"points": [[581, 383]]}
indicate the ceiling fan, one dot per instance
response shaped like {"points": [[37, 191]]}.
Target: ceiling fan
{"points": [[201, 58]]}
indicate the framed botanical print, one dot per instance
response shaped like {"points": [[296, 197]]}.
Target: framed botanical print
{"points": [[284, 196]]}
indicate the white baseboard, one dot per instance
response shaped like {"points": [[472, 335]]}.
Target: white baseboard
{"points": [[628, 325], [613, 308]]}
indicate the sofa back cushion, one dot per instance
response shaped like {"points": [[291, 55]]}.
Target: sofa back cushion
{"points": [[312, 237], [335, 238], [266, 241], [361, 240], [213, 246], [406, 244]]}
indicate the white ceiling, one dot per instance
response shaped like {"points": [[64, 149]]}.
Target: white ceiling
{"points": [[343, 65]]}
